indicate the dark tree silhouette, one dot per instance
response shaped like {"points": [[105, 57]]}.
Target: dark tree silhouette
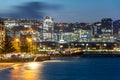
{"points": [[24, 47], [8, 46]]}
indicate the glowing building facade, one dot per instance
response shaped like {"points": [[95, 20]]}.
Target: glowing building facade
{"points": [[48, 29]]}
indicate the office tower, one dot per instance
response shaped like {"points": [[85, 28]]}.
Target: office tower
{"points": [[116, 27], [107, 29], [48, 29]]}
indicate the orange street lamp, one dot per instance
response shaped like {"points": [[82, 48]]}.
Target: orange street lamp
{"points": [[29, 39], [17, 40]]}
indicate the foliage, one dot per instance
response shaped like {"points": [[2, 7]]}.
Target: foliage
{"points": [[16, 45], [8, 46], [24, 47], [34, 49], [28, 47]]}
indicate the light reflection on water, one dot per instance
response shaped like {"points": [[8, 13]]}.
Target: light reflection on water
{"points": [[28, 71], [66, 69]]}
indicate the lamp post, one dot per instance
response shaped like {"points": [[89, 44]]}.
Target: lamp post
{"points": [[17, 40]]}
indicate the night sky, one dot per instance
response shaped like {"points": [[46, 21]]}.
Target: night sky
{"points": [[61, 10]]}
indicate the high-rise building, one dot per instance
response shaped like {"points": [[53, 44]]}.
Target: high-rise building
{"points": [[97, 28], [107, 23], [116, 28], [48, 29], [85, 35], [2, 33], [97, 32], [107, 29]]}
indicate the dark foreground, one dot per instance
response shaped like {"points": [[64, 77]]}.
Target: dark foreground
{"points": [[67, 68]]}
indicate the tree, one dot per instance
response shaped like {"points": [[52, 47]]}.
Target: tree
{"points": [[34, 48], [28, 46], [24, 47], [16, 44], [8, 46]]}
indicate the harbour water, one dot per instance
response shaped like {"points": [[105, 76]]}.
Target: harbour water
{"points": [[69, 68]]}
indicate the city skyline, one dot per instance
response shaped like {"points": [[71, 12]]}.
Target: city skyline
{"points": [[61, 11]]}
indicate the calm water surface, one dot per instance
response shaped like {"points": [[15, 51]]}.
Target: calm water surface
{"points": [[71, 68]]}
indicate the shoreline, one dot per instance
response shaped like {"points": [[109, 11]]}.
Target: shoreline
{"points": [[6, 65], [9, 63], [100, 55]]}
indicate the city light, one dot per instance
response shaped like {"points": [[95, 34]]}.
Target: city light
{"points": [[29, 39], [17, 40], [33, 65]]}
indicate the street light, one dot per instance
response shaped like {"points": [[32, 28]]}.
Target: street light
{"points": [[17, 40], [29, 40]]}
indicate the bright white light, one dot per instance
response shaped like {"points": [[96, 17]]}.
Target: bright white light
{"points": [[33, 65], [26, 26], [34, 39]]}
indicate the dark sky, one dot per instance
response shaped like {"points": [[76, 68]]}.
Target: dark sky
{"points": [[61, 10]]}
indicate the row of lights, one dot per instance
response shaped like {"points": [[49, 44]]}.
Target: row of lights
{"points": [[28, 39]]}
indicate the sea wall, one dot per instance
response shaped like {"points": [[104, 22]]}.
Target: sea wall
{"points": [[42, 58], [100, 55]]}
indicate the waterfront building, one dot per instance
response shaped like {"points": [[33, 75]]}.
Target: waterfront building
{"points": [[69, 37], [107, 30], [62, 31], [97, 32], [97, 28], [106, 24], [85, 35], [96, 38], [48, 29], [76, 36], [116, 28], [63, 37], [117, 38]]}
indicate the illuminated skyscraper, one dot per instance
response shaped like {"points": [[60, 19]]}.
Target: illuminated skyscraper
{"points": [[107, 29], [48, 29]]}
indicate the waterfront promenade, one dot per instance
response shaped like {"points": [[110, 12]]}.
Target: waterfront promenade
{"points": [[12, 62], [6, 65]]}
